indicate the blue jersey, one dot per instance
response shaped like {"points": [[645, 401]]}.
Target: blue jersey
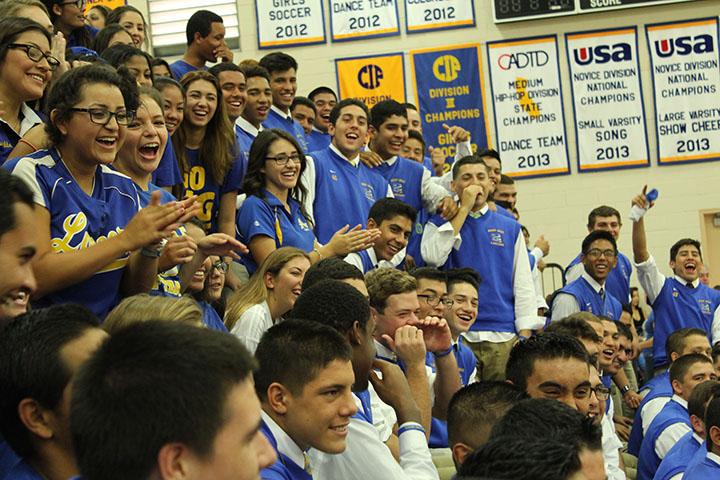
{"points": [[343, 193], [590, 301], [283, 468], [80, 221], [168, 172], [211, 319], [288, 124], [244, 140], [199, 181], [180, 67], [678, 306], [318, 140], [488, 246], [268, 217], [9, 137], [706, 469], [659, 386], [618, 281], [648, 460], [677, 459]]}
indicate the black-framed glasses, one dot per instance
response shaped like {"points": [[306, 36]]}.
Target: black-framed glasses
{"points": [[221, 266], [434, 300], [283, 159], [80, 4], [35, 54], [597, 253], [601, 392], [102, 116]]}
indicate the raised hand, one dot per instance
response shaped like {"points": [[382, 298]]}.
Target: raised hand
{"points": [[348, 240], [436, 333], [222, 245], [408, 345], [458, 134]]}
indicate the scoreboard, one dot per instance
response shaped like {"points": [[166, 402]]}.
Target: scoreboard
{"points": [[515, 10]]}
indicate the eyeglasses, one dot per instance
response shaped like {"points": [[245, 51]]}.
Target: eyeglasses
{"points": [[434, 300], [102, 116], [80, 4], [221, 267], [597, 253], [283, 160], [601, 392], [35, 54]]}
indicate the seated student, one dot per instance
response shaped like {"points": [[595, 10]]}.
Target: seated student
{"points": [[710, 465], [304, 384], [90, 214], [258, 98], [611, 444], [341, 189], [325, 100], [17, 246], [272, 215], [40, 353], [303, 111], [209, 297], [658, 390], [233, 84], [144, 307], [402, 338], [672, 422], [492, 245], [622, 363], [283, 82], [588, 293], [679, 456], [270, 294], [394, 220], [205, 34], [581, 330], [680, 301], [20, 40], [335, 269], [130, 429], [366, 455], [535, 255], [473, 412]]}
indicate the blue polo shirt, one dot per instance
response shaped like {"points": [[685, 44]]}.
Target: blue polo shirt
{"points": [[180, 67], [267, 216], [276, 119], [244, 140]]}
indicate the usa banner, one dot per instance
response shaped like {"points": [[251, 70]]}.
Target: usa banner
{"points": [[371, 79], [449, 91], [427, 15], [686, 77], [363, 19], [285, 24], [528, 107], [610, 126]]}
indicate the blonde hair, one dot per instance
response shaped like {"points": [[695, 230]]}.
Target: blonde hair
{"points": [[255, 291], [586, 317], [382, 283], [144, 307]]}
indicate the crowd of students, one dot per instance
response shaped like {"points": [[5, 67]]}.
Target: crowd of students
{"points": [[206, 276]]}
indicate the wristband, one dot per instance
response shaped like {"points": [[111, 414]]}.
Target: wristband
{"points": [[625, 389], [407, 426], [317, 250], [154, 251], [443, 353]]}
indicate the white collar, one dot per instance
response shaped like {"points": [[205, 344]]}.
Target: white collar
{"points": [[285, 444], [713, 457], [391, 161], [680, 400], [483, 210], [28, 119], [354, 161], [381, 351], [248, 127], [284, 115], [695, 283], [698, 438], [593, 283]]}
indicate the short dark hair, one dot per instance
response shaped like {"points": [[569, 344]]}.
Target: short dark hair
{"points": [[467, 160], [701, 395], [624, 330], [201, 22], [712, 419], [31, 365], [161, 83], [332, 303], [573, 327], [293, 352], [715, 352], [119, 54], [463, 275], [12, 27], [256, 71], [303, 101], [680, 367], [545, 346], [506, 180], [429, 273], [415, 135], [387, 208], [331, 268], [598, 235], [385, 109], [102, 39], [129, 397], [224, 67], [675, 342], [116, 14], [489, 152], [410, 106], [278, 62], [157, 62], [602, 211], [12, 190], [319, 90], [335, 112], [475, 408], [683, 243]]}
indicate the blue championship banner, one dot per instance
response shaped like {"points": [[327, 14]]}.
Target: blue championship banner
{"points": [[427, 15], [358, 19], [286, 24], [449, 90], [371, 79]]}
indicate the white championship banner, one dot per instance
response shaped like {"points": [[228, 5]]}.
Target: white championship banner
{"points": [[285, 24], [427, 15], [362, 19]]}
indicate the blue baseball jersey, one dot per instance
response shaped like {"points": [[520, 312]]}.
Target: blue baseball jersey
{"points": [[267, 216], [168, 172], [317, 140], [659, 386], [343, 193], [288, 124], [283, 468], [677, 459], [180, 67], [79, 221], [590, 301], [199, 181], [618, 281], [648, 460]]}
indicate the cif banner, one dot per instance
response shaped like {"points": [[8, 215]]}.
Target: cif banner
{"points": [[449, 90], [686, 76], [610, 126], [528, 107], [282, 23], [362, 19], [372, 78], [426, 15]]}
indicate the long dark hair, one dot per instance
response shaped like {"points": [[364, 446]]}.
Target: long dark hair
{"points": [[12, 27]]}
